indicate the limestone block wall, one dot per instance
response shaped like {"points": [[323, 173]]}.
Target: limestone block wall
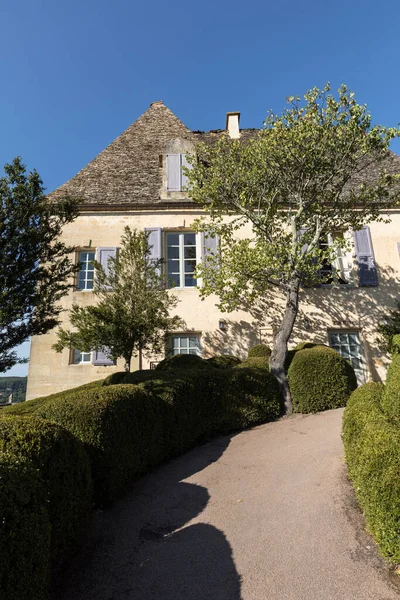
{"points": [[321, 310]]}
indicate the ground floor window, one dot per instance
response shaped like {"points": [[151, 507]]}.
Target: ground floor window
{"points": [[184, 344], [348, 344], [79, 358]]}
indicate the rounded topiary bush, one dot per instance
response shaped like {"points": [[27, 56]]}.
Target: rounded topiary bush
{"points": [[182, 361], [259, 351], [254, 362], [114, 378], [320, 379], [225, 361]]}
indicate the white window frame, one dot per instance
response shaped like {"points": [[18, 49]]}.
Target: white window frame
{"points": [[343, 263], [181, 258], [179, 346], [361, 373], [74, 352], [86, 264]]}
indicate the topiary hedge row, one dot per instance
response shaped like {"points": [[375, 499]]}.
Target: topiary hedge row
{"points": [[108, 434], [319, 379], [372, 447]]}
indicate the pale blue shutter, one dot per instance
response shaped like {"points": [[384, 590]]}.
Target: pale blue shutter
{"points": [[184, 163], [398, 247], [367, 271], [209, 246], [103, 256], [154, 239], [100, 358], [174, 172], [300, 234]]}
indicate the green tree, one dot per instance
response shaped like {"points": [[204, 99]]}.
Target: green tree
{"points": [[132, 313], [389, 327], [296, 181], [34, 262]]}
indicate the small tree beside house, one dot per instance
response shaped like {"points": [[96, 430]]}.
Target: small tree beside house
{"points": [[132, 314], [311, 174]]}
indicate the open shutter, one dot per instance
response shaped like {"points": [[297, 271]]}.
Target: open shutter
{"points": [[100, 358], [398, 248], [174, 172], [184, 163], [210, 246], [103, 256], [155, 244], [367, 271]]}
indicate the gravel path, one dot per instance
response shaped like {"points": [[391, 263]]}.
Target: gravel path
{"points": [[265, 515]]}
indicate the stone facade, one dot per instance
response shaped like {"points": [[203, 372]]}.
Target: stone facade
{"points": [[126, 185]]}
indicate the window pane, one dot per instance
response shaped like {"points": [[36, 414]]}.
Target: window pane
{"points": [[190, 252], [184, 342], [76, 356], [354, 339], [173, 266], [189, 239], [192, 351], [172, 239], [173, 252], [190, 266], [190, 281], [173, 280], [193, 342], [89, 285]]}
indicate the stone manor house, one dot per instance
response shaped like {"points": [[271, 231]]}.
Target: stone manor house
{"points": [[137, 181]]}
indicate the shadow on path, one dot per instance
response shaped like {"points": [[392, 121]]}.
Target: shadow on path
{"points": [[144, 549]]}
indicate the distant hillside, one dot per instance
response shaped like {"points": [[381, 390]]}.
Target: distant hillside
{"points": [[12, 385]]}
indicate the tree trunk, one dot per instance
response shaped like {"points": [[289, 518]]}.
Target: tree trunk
{"points": [[140, 358], [279, 352]]}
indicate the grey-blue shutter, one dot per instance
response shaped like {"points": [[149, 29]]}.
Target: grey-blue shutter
{"points": [[174, 172], [103, 255], [365, 258], [154, 239], [184, 163], [100, 358], [300, 234], [398, 247], [209, 246]]}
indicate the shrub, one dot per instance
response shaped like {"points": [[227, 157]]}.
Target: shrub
{"points": [[225, 361], [182, 361], [259, 351], [63, 468], [391, 397], [255, 362], [114, 378], [320, 379], [255, 397], [364, 403], [24, 531]]}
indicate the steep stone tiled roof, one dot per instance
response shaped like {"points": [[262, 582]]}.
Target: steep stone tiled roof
{"points": [[128, 171]]}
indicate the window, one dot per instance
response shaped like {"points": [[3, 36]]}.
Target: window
{"points": [[86, 271], [184, 344], [340, 269], [177, 180], [348, 344], [181, 259], [80, 358]]}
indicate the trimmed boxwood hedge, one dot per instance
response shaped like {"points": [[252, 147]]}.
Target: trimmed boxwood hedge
{"points": [[255, 362], [259, 351], [24, 531], [64, 471], [320, 379], [391, 397], [182, 361], [224, 361], [372, 447]]}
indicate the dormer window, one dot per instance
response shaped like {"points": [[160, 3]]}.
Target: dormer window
{"points": [[177, 180]]}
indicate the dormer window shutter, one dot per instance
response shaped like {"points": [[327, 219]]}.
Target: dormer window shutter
{"points": [[365, 258], [101, 359], [174, 172], [154, 239], [186, 164]]}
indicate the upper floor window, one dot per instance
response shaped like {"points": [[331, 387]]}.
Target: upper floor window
{"points": [[80, 358], [182, 256], [340, 269], [177, 180], [86, 270]]}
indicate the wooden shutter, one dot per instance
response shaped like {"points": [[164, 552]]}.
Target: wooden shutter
{"points": [[398, 247], [103, 255], [174, 172], [184, 163], [367, 271], [154, 238], [100, 358], [210, 246]]}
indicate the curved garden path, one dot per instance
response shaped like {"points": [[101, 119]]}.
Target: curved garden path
{"points": [[266, 514]]}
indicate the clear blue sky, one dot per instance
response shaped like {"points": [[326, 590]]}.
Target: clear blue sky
{"points": [[76, 74]]}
